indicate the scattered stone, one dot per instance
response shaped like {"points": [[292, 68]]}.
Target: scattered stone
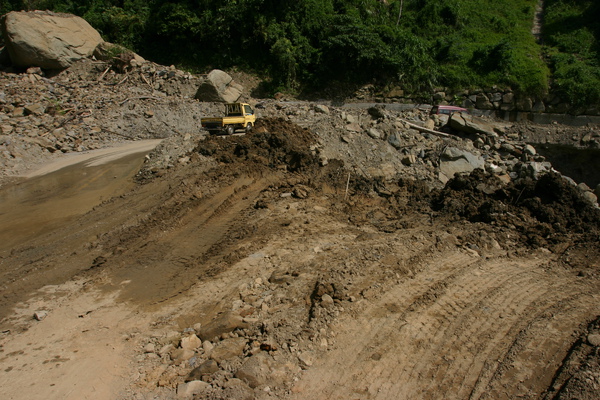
{"points": [[191, 388], [374, 133], [394, 140], [377, 112], [409, 160], [34, 109], [261, 369], [206, 368], [166, 349], [228, 348], [529, 149], [149, 348], [179, 355], [191, 342], [40, 315], [590, 197], [280, 278], [326, 301], [594, 339], [225, 323], [322, 109]]}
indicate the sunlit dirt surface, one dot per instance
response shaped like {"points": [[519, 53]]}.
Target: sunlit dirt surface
{"points": [[361, 289]]}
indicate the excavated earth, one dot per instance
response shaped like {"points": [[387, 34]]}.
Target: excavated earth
{"points": [[297, 263]]}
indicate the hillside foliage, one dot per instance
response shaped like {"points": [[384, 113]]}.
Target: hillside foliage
{"points": [[415, 44]]}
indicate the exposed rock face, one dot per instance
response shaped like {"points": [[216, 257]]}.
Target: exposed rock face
{"points": [[47, 40], [219, 87]]}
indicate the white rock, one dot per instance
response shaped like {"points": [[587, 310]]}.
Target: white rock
{"points": [[190, 342]]}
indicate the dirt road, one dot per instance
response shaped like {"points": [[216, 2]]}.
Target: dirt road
{"points": [[335, 288]]}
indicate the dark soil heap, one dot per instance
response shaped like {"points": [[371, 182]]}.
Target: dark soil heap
{"points": [[273, 143], [546, 212]]}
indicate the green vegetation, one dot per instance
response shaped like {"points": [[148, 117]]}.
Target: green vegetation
{"points": [[416, 44], [572, 34]]}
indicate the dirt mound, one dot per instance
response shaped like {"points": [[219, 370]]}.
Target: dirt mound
{"points": [[544, 212], [273, 142]]}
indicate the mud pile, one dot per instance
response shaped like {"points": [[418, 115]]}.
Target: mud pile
{"points": [[274, 143], [545, 212]]}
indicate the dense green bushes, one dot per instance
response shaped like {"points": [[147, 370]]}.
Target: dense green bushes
{"points": [[416, 44], [572, 34]]}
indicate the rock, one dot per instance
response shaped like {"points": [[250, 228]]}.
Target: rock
{"points": [[471, 125], [374, 133], [179, 355], [529, 149], [300, 192], [590, 197], [508, 98], [149, 348], [377, 112], [594, 339], [167, 348], [538, 107], [190, 342], [206, 368], [354, 127], [306, 359], [454, 160], [237, 389], [483, 103], [219, 87], [409, 160], [192, 388], [326, 301], [35, 70], [40, 315], [394, 140], [228, 348], [47, 40], [207, 346], [322, 109], [280, 278], [429, 124], [262, 369], [225, 323], [35, 109]]}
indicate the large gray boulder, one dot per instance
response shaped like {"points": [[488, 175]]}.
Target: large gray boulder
{"points": [[454, 160], [471, 125], [46, 39], [219, 86]]}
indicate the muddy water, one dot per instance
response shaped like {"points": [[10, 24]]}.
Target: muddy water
{"points": [[43, 204]]}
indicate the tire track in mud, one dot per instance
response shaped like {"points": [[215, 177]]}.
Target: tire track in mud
{"points": [[471, 328], [173, 260]]}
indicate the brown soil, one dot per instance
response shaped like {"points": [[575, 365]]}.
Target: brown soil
{"points": [[355, 288]]}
